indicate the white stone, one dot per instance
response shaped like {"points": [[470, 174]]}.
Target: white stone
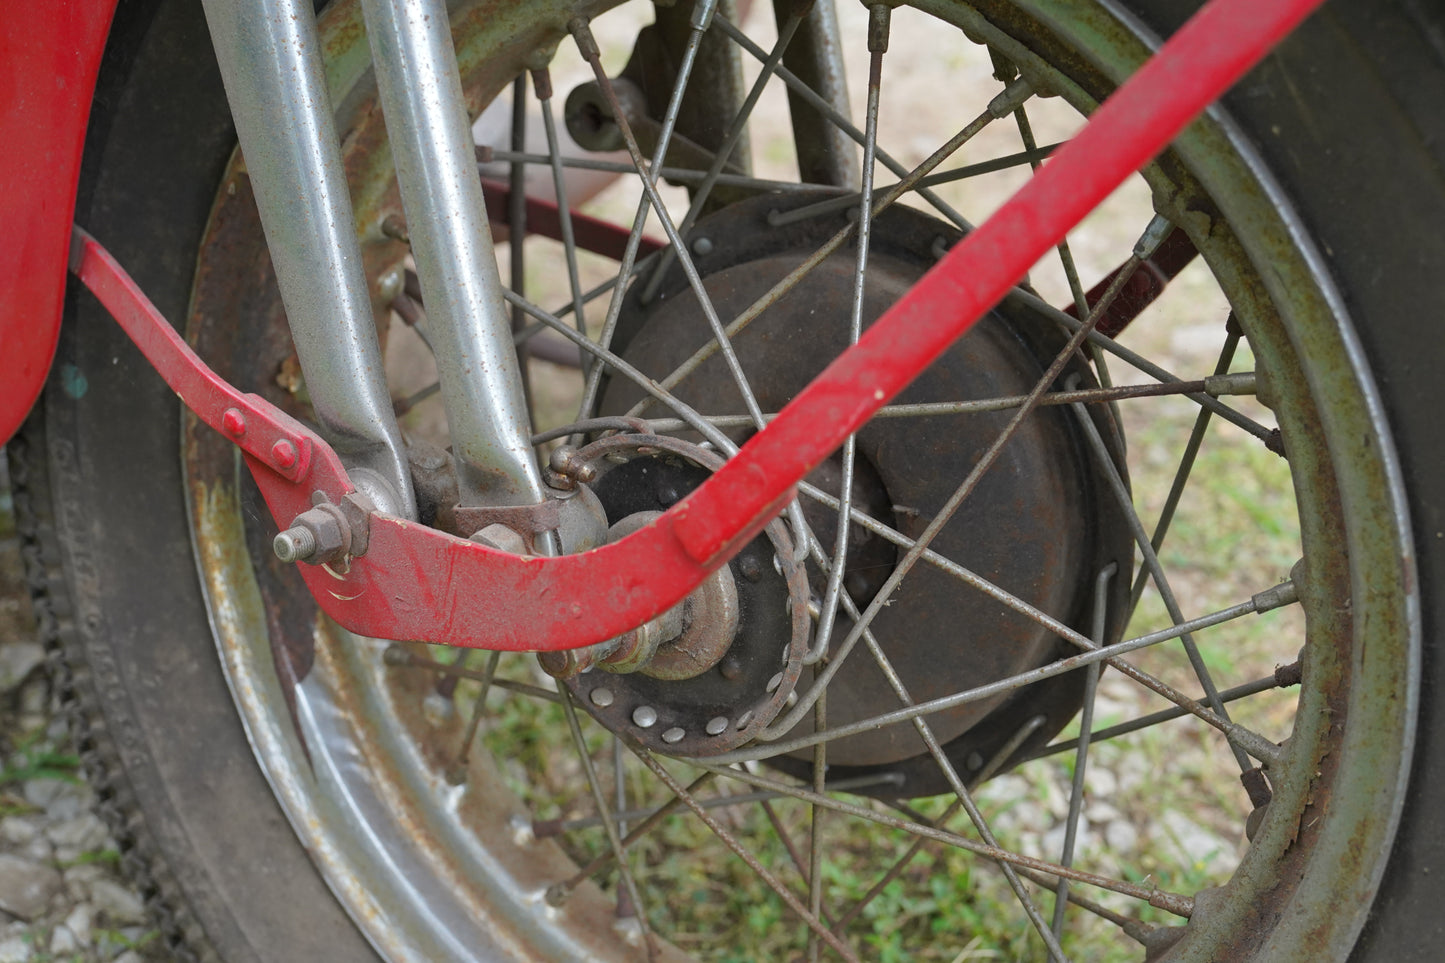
{"points": [[118, 903], [63, 941], [1192, 842], [33, 698], [1053, 840], [84, 832], [26, 887], [18, 830], [79, 923], [1101, 782], [73, 800], [14, 950], [78, 880], [1101, 812], [42, 792], [1121, 836], [18, 660]]}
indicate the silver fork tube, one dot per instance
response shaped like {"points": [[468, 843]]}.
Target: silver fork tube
{"points": [[431, 142], [271, 64]]}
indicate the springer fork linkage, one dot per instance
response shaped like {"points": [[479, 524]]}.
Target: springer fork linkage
{"points": [[399, 579]]}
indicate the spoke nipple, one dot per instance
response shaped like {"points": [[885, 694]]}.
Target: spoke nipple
{"points": [[1011, 99], [880, 16], [233, 422], [1152, 237], [294, 545], [1238, 383], [542, 83], [1285, 593], [283, 453], [581, 32], [702, 14], [644, 716]]}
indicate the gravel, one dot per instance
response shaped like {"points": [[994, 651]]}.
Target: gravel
{"points": [[62, 896]]}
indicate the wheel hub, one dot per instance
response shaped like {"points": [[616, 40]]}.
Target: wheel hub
{"points": [[1039, 525], [709, 674]]}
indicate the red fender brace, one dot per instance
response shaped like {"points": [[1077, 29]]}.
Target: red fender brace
{"points": [[416, 583]]}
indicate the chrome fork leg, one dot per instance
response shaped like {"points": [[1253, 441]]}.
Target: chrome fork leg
{"points": [[271, 64], [431, 141]]}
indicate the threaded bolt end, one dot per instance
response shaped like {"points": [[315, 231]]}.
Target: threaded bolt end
{"points": [[294, 545]]}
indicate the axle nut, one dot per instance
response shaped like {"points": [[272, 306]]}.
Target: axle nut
{"points": [[318, 535]]}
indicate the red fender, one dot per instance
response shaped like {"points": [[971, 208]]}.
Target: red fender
{"points": [[49, 57]]}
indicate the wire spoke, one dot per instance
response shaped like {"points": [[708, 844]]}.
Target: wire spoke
{"points": [[542, 84], [981, 406], [999, 107], [734, 133], [1081, 756], [1233, 416], [877, 47], [557, 893], [399, 656], [834, 205], [1284, 677], [945, 514], [684, 257], [741, 851], [553, 827], [1186, 463], [609, 824], [457, 772], [1255, 744], [821, 104], [587, 45], [682, 175], [1156, 570], [1175, 903]]}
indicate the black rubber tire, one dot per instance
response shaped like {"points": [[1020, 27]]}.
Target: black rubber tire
{"points": [[1348, 115]]}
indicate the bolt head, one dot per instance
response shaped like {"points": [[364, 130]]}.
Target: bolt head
{"points": [[233, 422], [284, 454]]}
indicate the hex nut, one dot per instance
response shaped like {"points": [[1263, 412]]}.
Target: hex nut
{"points": [[330, 537]]}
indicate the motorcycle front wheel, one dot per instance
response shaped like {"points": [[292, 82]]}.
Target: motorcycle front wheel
{"points": [[284, 790]]}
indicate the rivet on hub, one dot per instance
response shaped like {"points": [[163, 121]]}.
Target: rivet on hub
{"points": [[716, 725], [644, 716], [672, 735], [601, 698]]}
